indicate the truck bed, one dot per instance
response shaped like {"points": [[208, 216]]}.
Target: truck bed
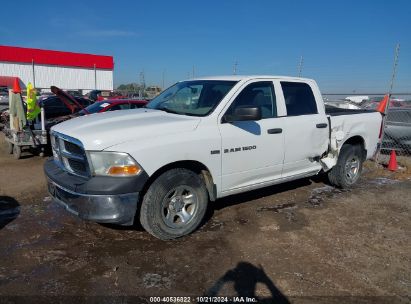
{"points": [[334, 111]]}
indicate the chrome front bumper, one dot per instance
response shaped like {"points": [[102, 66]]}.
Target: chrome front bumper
{"points": [[117, 209]]}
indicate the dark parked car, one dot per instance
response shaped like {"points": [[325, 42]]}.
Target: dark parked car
{"points": [[4, 99], [99, 107], [55, 107], [98, 95], [397, 135]]}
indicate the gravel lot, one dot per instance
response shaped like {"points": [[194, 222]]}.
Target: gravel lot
{"points": [[299, 242]]}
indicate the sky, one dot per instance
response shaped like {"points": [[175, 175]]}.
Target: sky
{"points": [[347, 46]]}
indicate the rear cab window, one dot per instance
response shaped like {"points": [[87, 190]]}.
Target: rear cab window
{"points": [[299, 98]]}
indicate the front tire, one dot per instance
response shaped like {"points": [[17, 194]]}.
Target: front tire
{"points": [[348, 169], [174, 205]]}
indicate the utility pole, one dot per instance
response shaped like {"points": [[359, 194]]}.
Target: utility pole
{"points": [[142, 84], [300, 66], [394, 73], [193, 72], [163, 77], [95, 77], [34, 73], [394, 70], [235, 68]]}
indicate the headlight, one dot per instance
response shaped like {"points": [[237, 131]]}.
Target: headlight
{"points": [[113, 164]]}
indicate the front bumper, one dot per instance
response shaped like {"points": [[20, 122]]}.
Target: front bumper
{"points": [[118, 209], [100, 199]]}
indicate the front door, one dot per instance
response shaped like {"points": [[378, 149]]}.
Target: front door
{"points": [[252, 151]]}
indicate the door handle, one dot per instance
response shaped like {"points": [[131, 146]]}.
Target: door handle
{"points": [[275, 131], [322, 125]]}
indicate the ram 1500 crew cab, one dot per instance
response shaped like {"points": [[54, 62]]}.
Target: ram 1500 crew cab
{"points": [[201, 140]]}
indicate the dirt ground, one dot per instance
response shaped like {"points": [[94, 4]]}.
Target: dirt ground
{"points": [[299, 242]]}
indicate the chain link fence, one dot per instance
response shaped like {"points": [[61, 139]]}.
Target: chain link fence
{"points": [[397, 132]]}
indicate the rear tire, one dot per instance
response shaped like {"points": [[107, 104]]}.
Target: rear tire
{"points": [[174, 205], [348, 169]]}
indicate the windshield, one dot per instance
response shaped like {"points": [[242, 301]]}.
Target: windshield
{"points": [[94, 108], [195, 98]]}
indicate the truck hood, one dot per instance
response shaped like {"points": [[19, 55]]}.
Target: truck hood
{"points": [[103, 130]]}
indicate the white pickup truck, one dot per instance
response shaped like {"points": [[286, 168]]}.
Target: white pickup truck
{"points": [[201, 140]]}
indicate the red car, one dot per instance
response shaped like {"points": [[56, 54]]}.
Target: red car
{"points": [[113, 105], [99, 107]]}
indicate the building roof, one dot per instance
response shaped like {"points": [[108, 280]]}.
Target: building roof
{"points": [[57, 58]]}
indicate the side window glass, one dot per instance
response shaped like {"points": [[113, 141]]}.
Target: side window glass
{"points": [[299, 99], [257, 94]]}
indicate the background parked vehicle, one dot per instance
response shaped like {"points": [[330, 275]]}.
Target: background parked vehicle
{"points": [[373, 103], [397, 133], [4, 99], [98, 95], [99, 107], [55, 107], [113, 105]]}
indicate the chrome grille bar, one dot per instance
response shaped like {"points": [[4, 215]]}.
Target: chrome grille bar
{"points": [[69, 154]]}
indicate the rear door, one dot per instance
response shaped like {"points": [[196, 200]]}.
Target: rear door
{"points": [[306, 128]]}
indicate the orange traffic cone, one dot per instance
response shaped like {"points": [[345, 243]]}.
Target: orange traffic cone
{"points": [[383, 104], [392, 164], [16, 86]]}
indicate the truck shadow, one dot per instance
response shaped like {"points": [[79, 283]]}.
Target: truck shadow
{"points": [[233, 200], [244, 279], [9, 210], [237, 199]]}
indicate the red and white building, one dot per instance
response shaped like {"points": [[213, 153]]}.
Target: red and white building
{"points": [[66, 70]]}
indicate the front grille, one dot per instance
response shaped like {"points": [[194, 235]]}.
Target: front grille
{"points": [[69, 154]]}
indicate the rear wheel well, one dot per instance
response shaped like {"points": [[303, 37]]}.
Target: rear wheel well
{"points": [[191, 165], [357, 141]]}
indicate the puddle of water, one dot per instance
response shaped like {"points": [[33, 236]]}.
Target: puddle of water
{"points": [[383, 181], [318, 195], [277, 208], [156, 280]]}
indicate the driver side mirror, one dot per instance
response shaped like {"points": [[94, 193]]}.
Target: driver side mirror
{"points": [[247, 113]]}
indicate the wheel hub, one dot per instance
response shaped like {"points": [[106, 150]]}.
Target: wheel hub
{"points": [[179, 206], [176, 204], [352, 168]]}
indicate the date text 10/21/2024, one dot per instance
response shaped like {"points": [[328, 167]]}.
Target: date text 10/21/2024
{"points": [[203, 299]]}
